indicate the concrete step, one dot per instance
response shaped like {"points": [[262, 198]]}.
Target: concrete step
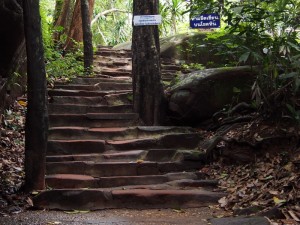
{"points": [[105, 86], [96, 199], [108, 169], [84, 109], [61, 181], [94, 120]]}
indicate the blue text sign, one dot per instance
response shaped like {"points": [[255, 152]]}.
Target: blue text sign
{"points": [[206, 21]]}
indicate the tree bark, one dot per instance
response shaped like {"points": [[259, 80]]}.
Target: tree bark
{"points": [[64, 15], [147, 88], [75, 32], [36, 118], [87, 37]]}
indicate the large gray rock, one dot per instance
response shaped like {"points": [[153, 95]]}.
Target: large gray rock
{"points": [[200, 94], [192, 47]]}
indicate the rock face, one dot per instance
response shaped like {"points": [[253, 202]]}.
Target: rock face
{"points": [[12, 51], [200, 94]]}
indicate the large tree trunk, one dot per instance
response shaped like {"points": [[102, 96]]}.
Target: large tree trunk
{"points": [[75, 32], [87, 37], [147, 88], [63, 17], [36, 117]]}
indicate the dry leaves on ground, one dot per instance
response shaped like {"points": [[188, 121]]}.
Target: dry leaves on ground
{"points": [[270, 182], [12, 159]]}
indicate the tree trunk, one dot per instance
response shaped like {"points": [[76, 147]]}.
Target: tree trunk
{"points": [[87, 37], [64, 15], [147, 88], [36, 118], [75, 33]]}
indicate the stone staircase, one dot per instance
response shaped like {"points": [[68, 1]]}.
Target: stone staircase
{"points": [[100, 155]]}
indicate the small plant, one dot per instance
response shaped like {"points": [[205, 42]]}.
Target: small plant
{"points": [[195, 66]]}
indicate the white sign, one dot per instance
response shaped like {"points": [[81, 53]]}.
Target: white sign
{"points": [[146, 20]]}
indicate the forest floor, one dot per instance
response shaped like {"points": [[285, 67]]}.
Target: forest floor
{"points": [[257, 164]]}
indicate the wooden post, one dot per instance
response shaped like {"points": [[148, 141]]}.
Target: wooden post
{"points": [[36, 118], [146, 72]]}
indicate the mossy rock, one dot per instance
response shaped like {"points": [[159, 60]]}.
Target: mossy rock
{"points": [[202, 93]]}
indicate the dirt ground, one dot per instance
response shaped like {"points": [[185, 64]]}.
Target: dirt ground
{"points": [[194, 216]]}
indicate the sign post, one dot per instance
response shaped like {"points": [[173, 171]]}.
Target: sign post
{"points": [[206, 21]]}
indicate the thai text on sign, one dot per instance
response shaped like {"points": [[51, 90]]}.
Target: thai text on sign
{"points": [[146, 20], [206, 21]]}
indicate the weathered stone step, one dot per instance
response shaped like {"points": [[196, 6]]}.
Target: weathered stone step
{"points": [[171, 67], [94, 120], [83, 93], [96, 80], [179, 141], [158, 155], [78, 100], [110, 53], [105, 86], [83, 109], [112, 63], [113, 133], [122, 98], [105, 157], [108, 169], [67, 147], [61, 181], [115, 72], [94, 199]]}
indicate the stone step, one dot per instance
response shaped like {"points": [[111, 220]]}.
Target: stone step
{"points": [[171, 67], [95, 80], [96, 199], [114, 72], [158, 155], [108, 169], [94, 120], [105, 157], [112, 63], [84, 109], [121, 98], [83, 93], [67, 147], [61, 181], [179, 141], [105, 86], [113, 133], [110, 53]]}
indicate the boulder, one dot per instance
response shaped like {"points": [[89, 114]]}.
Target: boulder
{"points": [[192, 47], [198, 95]]}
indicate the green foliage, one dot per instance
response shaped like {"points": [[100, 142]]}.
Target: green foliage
{"points": [[264, 33], [195, 66], [59, 64]]}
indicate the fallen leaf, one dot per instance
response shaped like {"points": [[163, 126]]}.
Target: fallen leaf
{"points": [[278, 201]]}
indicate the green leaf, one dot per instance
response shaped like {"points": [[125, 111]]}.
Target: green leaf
{"points": [[244, 57]]}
